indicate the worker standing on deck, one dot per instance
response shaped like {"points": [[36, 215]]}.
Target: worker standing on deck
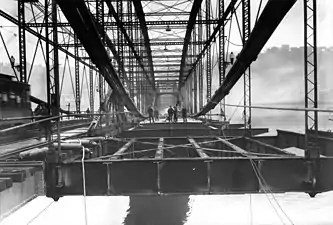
{"points": [[170, 113], [12, 61], [175, 114], [45, 125], [232, 58], [151, 114], [184, 114], [156, 114]]}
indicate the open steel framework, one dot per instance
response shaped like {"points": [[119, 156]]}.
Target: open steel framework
{"points": [[138, 52], [134, 35]]}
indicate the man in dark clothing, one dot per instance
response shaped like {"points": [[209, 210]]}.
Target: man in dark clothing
{"points": [[45, 126], [170, 112], [175, 114], [232, 58], [151, 114], [184, 114]]}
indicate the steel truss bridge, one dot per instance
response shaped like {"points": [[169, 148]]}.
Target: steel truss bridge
{"points": [[137, 54]]}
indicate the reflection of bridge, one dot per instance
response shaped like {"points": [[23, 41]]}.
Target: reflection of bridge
{"points": [[131, 49]]}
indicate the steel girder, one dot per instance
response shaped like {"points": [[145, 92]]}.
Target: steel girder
{"points": [[191, 22], [79, 16], [208, 57], [91, 88], [143, 25], [77, 76], [186, 165], [22, 42], [222, 57], [310, 77], [246, 22], [269, 20]]}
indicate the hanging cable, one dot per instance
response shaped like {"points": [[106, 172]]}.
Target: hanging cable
{"points": [[84, 185], [272, 194], [43, 210], [285, 108], [228, 40], [235, 109], [251, 217], [263, 188]]}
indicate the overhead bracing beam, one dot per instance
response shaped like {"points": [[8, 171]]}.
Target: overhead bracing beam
{"points": [[143, 25], [148, 23], [270, 18], [191, 22], [222, 21]]}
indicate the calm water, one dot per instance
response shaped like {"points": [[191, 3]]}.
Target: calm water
{"points": [[184, 210]]}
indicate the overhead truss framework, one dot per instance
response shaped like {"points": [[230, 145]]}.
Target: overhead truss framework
{"points": [[143, 39]]}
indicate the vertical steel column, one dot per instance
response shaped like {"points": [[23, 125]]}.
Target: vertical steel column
{"points": [[100, 20], [56, 104], [247, 75], [53, 98], [120, 41], [47, 49], [130, 54], [22, 43], [310, 74], [201, 61], [52, 61], [137, 75], [209, 66], [77, 75], [91, 87], [222, 61], [191, 93], [195, 74]]}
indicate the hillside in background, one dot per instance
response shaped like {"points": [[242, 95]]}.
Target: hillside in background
{"points": [[278, 80]]}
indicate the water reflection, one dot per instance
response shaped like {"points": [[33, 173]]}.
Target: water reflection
{"points": [[152, 210]]}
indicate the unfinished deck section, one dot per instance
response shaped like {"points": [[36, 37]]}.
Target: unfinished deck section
{"points": [[193, 158]]}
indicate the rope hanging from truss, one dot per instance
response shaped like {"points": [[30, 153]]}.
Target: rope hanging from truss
{"points": [[84, 185], [263, 185]]}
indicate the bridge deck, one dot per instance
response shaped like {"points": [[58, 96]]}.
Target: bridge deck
{"points": [[194, 158], [174, 158]]}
